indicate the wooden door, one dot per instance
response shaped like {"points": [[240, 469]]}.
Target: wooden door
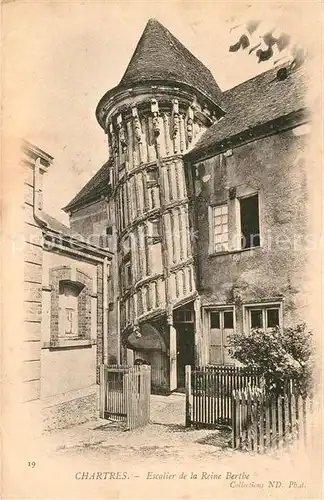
{"points": [[221, 326]]}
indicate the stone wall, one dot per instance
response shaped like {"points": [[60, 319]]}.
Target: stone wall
{"points": [[33, 258], [276, 168], [69, 410]]}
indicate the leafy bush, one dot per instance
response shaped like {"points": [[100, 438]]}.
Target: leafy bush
{"points": [[279, 354]]}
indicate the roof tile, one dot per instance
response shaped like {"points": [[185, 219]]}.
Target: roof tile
{"points": [[254, 102], [95, 187], [160, 56]]}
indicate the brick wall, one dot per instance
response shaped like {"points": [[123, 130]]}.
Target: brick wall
{"points": [[84, 305], [84, 301]]}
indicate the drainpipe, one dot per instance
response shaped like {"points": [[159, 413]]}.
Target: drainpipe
{"points": [[118, 332], [105, 311], [37, 212]]}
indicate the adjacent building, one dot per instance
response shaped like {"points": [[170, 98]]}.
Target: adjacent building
{"points": [[249, 192], [65, 307]]}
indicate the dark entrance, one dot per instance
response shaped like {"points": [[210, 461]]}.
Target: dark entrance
{"points": [[185, 350], [184, 326]]}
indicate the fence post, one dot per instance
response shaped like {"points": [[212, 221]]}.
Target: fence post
{"points": [[128, 401], [234, 419], [188, 395], [103, 388]]}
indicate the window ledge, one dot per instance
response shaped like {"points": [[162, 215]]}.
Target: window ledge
{"points": [[230, 252], [69, 344]]}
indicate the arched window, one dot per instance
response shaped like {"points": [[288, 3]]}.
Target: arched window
{"points": [[68, 308]]}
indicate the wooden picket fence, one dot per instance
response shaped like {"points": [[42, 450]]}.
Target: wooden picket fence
{"points": [[261, 422], [209, 393], [125, 394]]}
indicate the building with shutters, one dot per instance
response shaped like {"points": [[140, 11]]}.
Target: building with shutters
{"points": [[196, 182]]}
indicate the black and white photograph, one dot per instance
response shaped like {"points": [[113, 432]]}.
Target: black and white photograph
{"points": [[162, 257]]}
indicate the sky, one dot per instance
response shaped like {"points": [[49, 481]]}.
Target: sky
{"points": [[59, 58]]}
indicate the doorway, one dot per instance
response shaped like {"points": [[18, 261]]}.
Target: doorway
{"points": [[185, 350]]}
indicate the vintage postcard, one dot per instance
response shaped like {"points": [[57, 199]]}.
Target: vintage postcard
{"points": [[162, 250]]}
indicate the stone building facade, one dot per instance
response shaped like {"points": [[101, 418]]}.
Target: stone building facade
{"points": [[249, 191], [65, 307], [191, 169]]}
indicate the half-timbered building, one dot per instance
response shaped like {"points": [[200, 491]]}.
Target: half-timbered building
{"points": [[190, 169]]}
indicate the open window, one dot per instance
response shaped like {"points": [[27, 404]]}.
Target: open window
{"points": [[250, 223]]}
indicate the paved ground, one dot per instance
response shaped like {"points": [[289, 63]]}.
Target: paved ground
{"points": [[165, 436], [164, 447]]}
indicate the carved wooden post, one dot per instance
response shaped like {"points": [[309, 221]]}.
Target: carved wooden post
{"points": [[138, 133], [175, 124], [166, 133], [121, 134], [156, 125], [190, 124], [172, 349], [200, 339], [182, 133]]}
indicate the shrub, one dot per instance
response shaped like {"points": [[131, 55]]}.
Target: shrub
{"points": [[280, 355]]}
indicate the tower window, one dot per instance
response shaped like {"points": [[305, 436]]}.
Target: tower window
{"points": [[154, 231], [127, 275], [152, 177], [126, 248]]}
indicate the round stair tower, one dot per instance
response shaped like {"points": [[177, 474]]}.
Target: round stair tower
{"points": [[164, 102]]}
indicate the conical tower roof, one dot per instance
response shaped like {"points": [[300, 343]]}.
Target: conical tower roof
{"points": [[159, 56]]}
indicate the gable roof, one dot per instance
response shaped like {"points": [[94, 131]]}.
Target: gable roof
{"points": [[254, 102], [160, 56], [96, 187], [55, 224]]}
